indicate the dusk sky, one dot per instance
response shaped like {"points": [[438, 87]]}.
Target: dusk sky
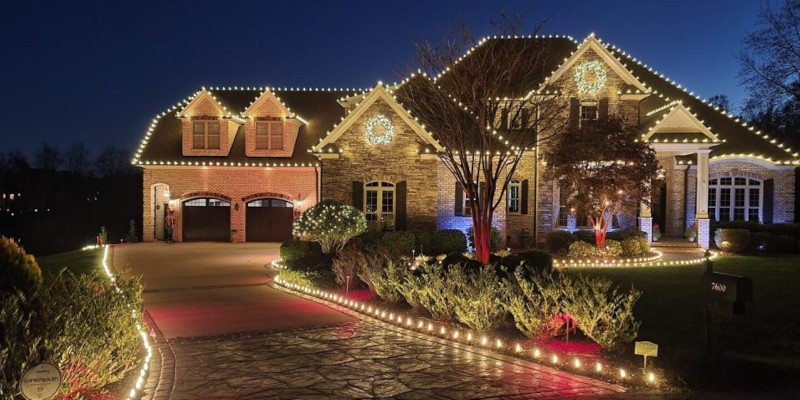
{"points": [[99, 72]]}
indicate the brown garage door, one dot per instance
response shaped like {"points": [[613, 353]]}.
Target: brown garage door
{"points": [[269, 220], [207, 219]]}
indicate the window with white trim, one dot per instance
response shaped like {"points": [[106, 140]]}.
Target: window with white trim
{"points": [[269, 135], [735, 198], [379, 205], [205, 133], [589, 112], [513, 196]]}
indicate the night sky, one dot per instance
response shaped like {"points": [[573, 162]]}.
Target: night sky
{"points": [[98, 72]]}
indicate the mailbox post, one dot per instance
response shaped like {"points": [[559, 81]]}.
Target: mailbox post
{"points": [[723, 294]]}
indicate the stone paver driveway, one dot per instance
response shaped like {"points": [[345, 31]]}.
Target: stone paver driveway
{"points": [[233, 336]]}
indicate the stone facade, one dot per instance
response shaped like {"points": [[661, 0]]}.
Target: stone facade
{"points": [[400, 160], [235, 184]]}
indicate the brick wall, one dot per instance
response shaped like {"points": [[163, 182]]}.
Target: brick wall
{"points": [[396, 161], [235, 183]]}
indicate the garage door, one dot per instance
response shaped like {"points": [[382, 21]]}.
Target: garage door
{"points": [[207, 219], [269, 220]]}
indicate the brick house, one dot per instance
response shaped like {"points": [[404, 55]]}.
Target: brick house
{"points": [[238, 164]]}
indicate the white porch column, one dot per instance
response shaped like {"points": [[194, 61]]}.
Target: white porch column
{"points": [[703, 224], [646, 221]]}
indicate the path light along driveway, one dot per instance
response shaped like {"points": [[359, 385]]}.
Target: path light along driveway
{"points": [[234, 336]]}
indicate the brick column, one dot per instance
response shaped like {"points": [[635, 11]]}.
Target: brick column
{"points": [[703, 224]]}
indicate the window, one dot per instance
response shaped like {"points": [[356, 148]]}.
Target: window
{"points": [[589, 112], [379, 205], [513, 197], [269, 135], [206, 202], [270, 203], [735, 199], [205, 133]]}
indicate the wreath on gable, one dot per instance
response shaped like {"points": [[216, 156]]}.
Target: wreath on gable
{"points": [[581, 77], [380, 130]]}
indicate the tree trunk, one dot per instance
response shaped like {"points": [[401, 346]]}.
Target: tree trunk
{"points": [[482, 229]]}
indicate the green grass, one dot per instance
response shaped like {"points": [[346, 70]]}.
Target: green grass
{"points": [[671, 309], [78, 262]]}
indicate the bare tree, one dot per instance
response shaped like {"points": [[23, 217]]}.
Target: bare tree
{"points": [[111, 162], [48, 157], [720, 100], [770, 60], [77, 159], [486, 110]]}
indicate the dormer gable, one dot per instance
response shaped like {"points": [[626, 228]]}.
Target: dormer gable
{"points": [[592, 48], [208, 127], [271, 127], [678, 124]]}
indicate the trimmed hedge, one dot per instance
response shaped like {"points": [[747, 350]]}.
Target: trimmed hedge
{"points": [[787, 229], [538, 260], [732, 240], [292, 250], [559, 241], [445, 241], [398, 243]]}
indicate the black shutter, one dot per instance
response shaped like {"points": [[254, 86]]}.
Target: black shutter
{"points": [[574, 113], [400, 206], [459, 205], [358, 195], [524, 197], [603, 113], [769, 199]]}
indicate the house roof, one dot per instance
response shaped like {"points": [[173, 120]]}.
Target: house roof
{"points": [[318, 108]]}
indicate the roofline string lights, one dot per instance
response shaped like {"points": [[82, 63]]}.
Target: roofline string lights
{"points": [[574, 364]]}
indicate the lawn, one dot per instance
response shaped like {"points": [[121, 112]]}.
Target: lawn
{"points": [[78, 261], [670, 309]]}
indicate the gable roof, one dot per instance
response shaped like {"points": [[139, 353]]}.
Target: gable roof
{"points": [[676, 115], [378, 92], [163, 142]]}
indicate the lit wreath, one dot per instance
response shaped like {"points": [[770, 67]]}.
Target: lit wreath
{"points": [[599, 73], [388, 130]]}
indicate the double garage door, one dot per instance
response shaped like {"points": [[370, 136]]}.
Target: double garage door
{"points": [[209, 219]]}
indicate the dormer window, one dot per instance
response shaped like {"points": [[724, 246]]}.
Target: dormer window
{"points": [[205, 132], [590, 112], [269, 134]]}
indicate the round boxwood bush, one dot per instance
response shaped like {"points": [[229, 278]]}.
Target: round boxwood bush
{"points": [[292, 250], [559, 241], [732, 240], [398, 243], [19, 269], [331, 224]]}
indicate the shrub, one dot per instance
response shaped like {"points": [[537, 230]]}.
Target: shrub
{"points": [[585, 236], [20, 272], [792, 230], [20, 339], [732, 240], [537, 260], [445, 241], [559, 241], [581, 249], [460, 259], [534, 301], [601, 311], [656, 232], [762, 242], [496, 241], [347, 264], [785, 244], [132, 236], [635, 247], [398, 244], [690, 232], [331, 224], [384, 277], [613, 248], [292, 250], [626, 234], [90, 333], [429, 288], [476, 297], [369, 239]]}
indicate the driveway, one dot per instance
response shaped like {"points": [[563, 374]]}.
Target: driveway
{"points": [[231, 335]]}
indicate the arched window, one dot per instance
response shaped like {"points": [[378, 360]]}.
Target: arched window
{"points": [[379, 205], [735, 198]]}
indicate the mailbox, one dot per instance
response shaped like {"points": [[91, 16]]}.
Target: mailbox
{"points": [[725, 288]]}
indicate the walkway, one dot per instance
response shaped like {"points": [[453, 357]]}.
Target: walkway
{"points": [[226, 333]]}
